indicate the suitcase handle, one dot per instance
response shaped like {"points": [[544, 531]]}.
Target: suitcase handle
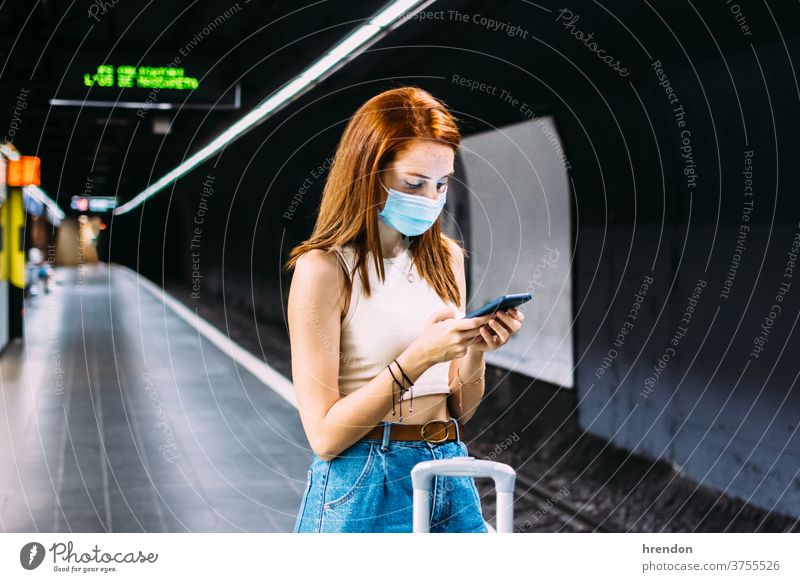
{"points": [[503, 475]]}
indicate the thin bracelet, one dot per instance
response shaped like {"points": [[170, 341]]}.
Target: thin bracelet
{"points": [[400, 384], [410, 386], [462, 383], [401, 391], [395, 377], [395, 381], [410, 383]]}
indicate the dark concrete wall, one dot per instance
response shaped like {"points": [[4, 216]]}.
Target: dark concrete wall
{"points": [[701, 392]]}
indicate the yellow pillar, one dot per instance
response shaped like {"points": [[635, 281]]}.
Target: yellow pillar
{"points": [[14, 250]]}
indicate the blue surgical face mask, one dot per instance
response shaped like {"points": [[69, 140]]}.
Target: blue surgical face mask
{"points": [[411, 214]]}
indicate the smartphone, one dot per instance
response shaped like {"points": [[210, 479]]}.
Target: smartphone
{"points": [[501, 303]]}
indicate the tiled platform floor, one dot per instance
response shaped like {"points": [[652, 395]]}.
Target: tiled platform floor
{"points": [[115, 415]]}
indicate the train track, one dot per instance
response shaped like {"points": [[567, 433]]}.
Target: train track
{"points": [[566, 511]]}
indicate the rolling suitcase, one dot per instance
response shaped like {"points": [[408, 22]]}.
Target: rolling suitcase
{"points": [[503, 475]]}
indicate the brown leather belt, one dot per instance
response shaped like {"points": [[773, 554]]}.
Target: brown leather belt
{"points": [[433, 431]]}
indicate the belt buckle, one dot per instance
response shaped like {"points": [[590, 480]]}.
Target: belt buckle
{"points": [[426, 439]]}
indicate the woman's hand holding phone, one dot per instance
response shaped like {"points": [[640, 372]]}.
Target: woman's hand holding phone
{"points": [[446, 337], [505, 323]]}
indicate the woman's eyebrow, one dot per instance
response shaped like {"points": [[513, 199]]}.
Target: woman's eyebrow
{"points": [[450, 175]]}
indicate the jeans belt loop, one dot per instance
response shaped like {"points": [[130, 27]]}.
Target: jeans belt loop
{"points": [[387, 426], [458, 433]]}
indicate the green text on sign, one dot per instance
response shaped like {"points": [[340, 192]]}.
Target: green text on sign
{"points": [[128, 76]]}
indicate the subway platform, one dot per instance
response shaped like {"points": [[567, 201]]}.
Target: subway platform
{"points": [[125, 412], [119, 416]]}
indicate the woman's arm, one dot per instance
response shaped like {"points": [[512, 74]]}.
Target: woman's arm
{"points": [[315, 307], [464, 399]]}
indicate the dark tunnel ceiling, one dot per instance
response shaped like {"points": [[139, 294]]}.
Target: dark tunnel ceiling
{"points": [[58, 43], [97, 140]]}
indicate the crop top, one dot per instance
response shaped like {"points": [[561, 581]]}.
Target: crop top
{"points": [[377, 329]]}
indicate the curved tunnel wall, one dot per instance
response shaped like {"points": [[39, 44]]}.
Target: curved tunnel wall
{"points": [[657, 230]]}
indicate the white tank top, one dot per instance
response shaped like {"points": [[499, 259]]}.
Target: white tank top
{"points": [[377, 329]]}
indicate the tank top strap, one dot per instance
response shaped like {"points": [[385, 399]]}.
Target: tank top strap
{"points": [[343, 253], [345, 256]]}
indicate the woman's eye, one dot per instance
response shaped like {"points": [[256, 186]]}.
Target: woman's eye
{"points": [[442, 187], [414, 186]]}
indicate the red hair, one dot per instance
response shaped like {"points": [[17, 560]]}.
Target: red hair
{"points": [[378, 132]]}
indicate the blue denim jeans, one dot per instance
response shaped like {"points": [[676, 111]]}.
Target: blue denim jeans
{"points": [[367, 488]]}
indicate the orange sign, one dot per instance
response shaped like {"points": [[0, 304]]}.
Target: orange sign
{"points": [[24, 171]]}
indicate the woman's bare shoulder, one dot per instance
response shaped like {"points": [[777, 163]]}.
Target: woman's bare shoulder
{"points": [[318, 272], [318, 266]]}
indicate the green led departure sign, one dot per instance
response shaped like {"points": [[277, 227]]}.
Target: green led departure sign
{"points": [[127, 76]]}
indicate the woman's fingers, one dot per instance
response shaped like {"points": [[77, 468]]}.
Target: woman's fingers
{"points": [[501, 331], [496, 328], [511, 322], [516, 314], [471, 323], [488, 338]]}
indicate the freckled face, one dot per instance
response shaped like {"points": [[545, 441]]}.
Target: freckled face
{"points": [[423, 169]]}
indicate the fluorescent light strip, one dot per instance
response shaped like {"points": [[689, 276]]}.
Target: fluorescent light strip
{"points": [[38, 194], [344, 49], [145, 105], [105, 104], [390, 14]]}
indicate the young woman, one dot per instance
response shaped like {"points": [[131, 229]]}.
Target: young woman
{"points": [[385, 369]]}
